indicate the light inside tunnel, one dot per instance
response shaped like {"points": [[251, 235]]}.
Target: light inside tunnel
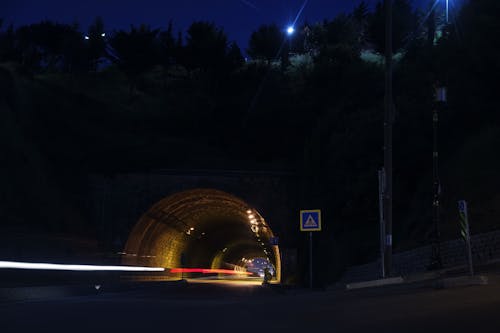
{"points": [[201, 228]]}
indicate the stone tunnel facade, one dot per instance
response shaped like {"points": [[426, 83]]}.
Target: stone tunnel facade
{"points": [[119, 201]]}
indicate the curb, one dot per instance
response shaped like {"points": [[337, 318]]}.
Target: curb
{"points": [[461, 281], [375, 283]]}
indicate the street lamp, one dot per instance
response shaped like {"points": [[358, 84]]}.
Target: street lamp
{"points": [[290, 31]]}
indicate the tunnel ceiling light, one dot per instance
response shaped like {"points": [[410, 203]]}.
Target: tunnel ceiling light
{"points": [[192, 229], [249, 211], [251, 216]]}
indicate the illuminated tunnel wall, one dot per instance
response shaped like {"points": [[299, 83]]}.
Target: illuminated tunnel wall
{"points": [[207, 228]]}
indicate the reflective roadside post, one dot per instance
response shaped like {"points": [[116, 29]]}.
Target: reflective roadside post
{"points": [[465, 232]]}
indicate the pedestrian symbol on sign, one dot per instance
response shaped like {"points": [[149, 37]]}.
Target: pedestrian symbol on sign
{"points": [[310, 223]]}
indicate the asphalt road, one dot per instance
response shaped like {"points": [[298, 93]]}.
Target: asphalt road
{"points": [[233, 307]]}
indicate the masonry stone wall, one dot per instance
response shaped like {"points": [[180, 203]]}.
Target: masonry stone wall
{"points": [[119, 201], [485, 247]]}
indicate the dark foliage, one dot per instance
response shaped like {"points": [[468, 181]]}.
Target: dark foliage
{"points": [[320, 114], [266, 42]]}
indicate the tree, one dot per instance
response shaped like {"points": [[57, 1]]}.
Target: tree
{"points": [[167, 46], [265, 42], [48, 45], [134, 52], [360, 12], [95, 43], [234, 57], [404, 25], [336, 40], [8, 50], [206, 46], [360, 16]]}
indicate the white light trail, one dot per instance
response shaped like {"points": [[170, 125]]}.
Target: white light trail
{"points": [[447, 10], [88, 268]]}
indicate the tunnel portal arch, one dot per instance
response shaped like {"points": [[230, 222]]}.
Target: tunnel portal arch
{"points": [[200, 228]]}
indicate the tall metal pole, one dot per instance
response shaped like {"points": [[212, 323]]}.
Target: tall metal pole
{"points": [[436, 246], [388, 121], [381, 185], [436, 262]]}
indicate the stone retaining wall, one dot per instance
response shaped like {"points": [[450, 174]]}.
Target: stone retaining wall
{"points": [[485, 247]]}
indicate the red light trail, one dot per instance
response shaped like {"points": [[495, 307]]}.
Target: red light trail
{"points": [[207, 271]]}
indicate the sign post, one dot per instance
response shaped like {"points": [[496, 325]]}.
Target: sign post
{"points": [[465, 231], [310, 220], [381, 190]]}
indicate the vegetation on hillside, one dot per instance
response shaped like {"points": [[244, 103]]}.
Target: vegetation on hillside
{"points": [[74, 103]]}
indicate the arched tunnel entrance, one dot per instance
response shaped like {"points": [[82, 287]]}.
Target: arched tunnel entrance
{"points": [[202, 228]]}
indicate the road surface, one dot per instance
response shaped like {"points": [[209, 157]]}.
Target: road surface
{"points": [[233, 307]]}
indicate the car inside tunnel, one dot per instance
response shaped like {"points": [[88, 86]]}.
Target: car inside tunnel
{"points": [[202, 229]]}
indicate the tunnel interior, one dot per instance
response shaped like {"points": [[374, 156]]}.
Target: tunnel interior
{"points": [[201, 228]]}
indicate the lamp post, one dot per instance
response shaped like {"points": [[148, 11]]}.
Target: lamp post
{"points": [[388, 121], [290, 31], [436, 262]]}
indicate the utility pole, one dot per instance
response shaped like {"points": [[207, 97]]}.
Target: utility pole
{"points": [[388, 121], [436, 262]]}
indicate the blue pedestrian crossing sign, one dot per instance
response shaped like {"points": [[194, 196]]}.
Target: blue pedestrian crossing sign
{"points": [[310, 220]]}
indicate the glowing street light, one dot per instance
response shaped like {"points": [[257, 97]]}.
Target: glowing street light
{"points": [[290, 30]]}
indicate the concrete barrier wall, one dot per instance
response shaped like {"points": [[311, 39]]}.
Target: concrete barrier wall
{"points": [[485, 247]]}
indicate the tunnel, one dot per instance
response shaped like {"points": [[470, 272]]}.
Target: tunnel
{"points": [[201, 228]]}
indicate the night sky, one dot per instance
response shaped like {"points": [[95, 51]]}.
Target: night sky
{"points": [[238, 17]]}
